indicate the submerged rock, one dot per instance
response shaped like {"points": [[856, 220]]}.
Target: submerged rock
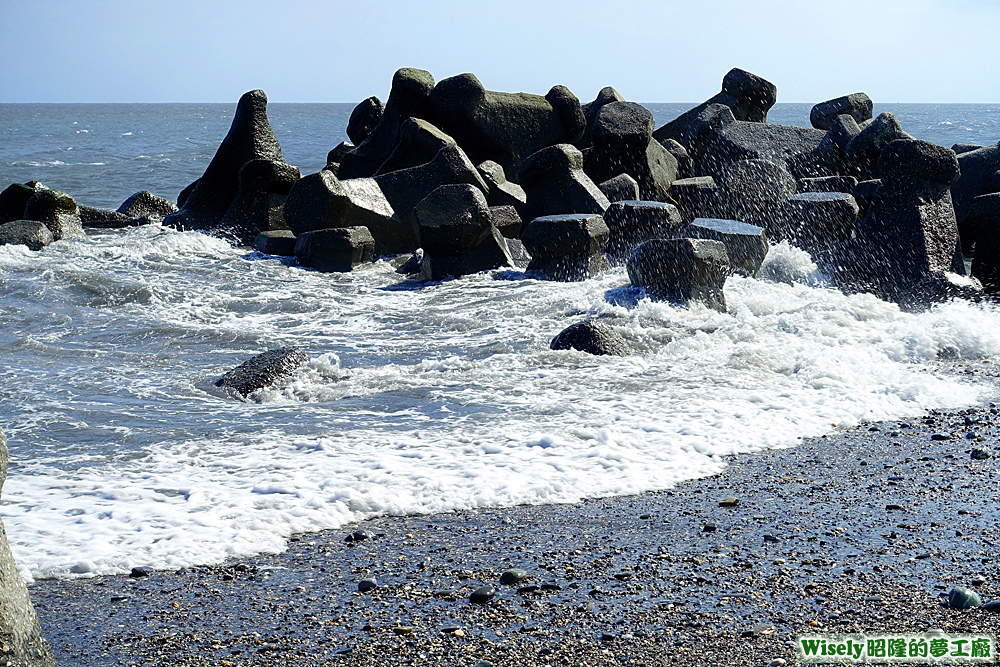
{"points": [[31, 233], [338, 250], [593, 337], [681, 270], [263, 370], [146, 203], [566, 247]]}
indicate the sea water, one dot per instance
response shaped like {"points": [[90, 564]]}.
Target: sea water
{"points": [[415, 398]]}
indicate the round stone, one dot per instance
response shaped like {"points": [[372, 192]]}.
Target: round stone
{"points": [[483, 594], [513, 576], [366, 585], [961, 597]]}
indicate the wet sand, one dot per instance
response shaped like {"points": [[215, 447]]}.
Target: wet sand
{"points": [[862, 530]]}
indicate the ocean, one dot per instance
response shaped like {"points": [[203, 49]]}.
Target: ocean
{"points": [[415, 399]]}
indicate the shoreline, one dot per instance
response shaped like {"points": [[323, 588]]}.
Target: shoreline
{"points": [[862, 530]]}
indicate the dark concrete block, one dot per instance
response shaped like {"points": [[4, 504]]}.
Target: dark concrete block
{"points": [[681, 271], [566, 247], [338, 250], [746, 245]]}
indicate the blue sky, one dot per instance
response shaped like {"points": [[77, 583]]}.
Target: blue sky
{"points": [[654, 51]]}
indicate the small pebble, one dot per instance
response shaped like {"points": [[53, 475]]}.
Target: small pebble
{"points": [[360, 536], [366, 585], [977, 581], [771, 538], [403, 630], [708, 528], [513, 576], [981, 454], [141, 572], [992, 606], [940, 436], [483, 594], [729, 502]]}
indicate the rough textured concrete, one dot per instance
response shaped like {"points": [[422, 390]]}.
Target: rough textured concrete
{"points": [[21, 640]]}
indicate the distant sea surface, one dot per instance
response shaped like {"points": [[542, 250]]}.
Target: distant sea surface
{"points": [[446, 396]]}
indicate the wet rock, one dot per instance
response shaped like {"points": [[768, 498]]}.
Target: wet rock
{"points": [[748, 97], [360, 536], [681, 270], [367, 585], [518, 253], [419, 142], [104, 219], [622, 144], [965, 148], [981, 225], [507, 221], [279, 242], [340, 249], [633, 222], [620, 188], [593, 337], [685, 166], [14, 198], [695, 197], [555, 183], [864, 194], [828, 184], [864, 149], [858, 106], [337, 154], [182, 197], [978, 177], [981, 454], [716, 141], [145, 203], [451, 223], [260, 201], [23, 643], [58, 211], [961, 597], [816, 220], [29, 233], [993, 607], [503, 127], [406, 187], [513, 576], [250, 138], [746, 245], [754, 192], [566, 247], [729, 502], [407, 99], [263, 370], [501, 191], [483, 594], [323, 201], [364, 118], [906, 248], [139, 572]]}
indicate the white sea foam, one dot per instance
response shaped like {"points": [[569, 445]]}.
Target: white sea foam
{"points": [[413, 399]]}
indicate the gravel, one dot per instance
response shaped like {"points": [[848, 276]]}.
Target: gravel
{"points": [[811, 546]]}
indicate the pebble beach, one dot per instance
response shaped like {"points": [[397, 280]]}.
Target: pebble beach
{"points": [[863, 530]]}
